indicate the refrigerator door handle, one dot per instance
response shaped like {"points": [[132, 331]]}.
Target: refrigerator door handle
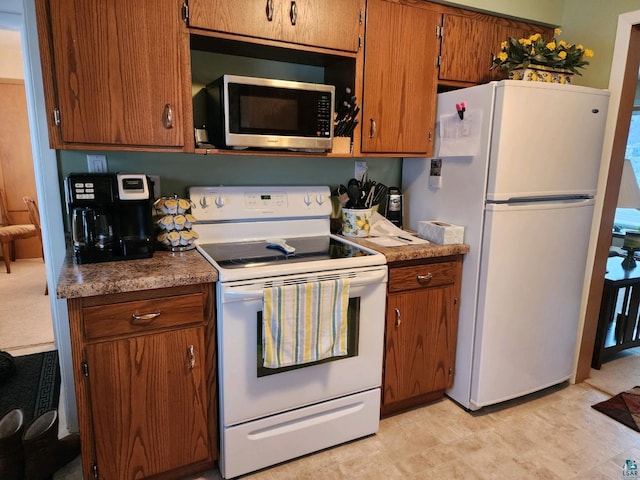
{"points": [[542, 198]]}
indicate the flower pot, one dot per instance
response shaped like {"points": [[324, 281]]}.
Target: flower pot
{"points": [[541, 73]]}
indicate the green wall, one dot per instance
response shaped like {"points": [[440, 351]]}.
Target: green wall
{"points": [[594, 24], [179, 171], [549, 12]]}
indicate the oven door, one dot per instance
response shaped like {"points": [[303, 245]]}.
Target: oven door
{"points": [[247, 392]]}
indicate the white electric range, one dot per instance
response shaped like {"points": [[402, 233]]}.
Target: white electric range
{"points": [[259, 237]]}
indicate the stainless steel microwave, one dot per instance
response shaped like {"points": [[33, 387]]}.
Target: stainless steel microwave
{"points": [[249, 112]]}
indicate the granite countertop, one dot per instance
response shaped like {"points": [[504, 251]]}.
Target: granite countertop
{"points": [[419, 251], [164, 269], [167, 269]]}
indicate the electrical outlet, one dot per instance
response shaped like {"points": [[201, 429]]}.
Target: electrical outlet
{"points": [[360, 170], [97, 163]]}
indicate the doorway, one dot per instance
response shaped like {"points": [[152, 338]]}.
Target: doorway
{"points": [[622, 85], [25, 312]]}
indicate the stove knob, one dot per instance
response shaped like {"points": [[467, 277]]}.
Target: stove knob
{"points": [[203, 202], [307, 199], [320, 199], [220, 201]]}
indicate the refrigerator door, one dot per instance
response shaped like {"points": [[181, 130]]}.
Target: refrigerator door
{"points": [[546, 139], [530, 287]]}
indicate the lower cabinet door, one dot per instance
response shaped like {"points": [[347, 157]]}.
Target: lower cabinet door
{"points": [[420, 343], [148, 403]]}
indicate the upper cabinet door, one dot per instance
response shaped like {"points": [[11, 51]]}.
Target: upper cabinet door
{"points": [[332, 24], [398, 107], [465, 61], [117, 71], [252, 18]]}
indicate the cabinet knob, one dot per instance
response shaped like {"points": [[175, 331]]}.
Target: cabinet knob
{"points": [[167, 116], [191, 356], [270, 10], [293, 13], [398, 320], [145, 318], [424, 279], [373, 128]]}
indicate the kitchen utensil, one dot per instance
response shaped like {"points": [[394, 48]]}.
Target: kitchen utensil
{"points": [[353, 189]]}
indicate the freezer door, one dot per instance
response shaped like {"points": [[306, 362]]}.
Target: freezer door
{"points": [[546, 139], [532, 268]]}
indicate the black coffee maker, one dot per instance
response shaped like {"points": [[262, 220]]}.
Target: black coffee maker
{"points": [[111, 216]]}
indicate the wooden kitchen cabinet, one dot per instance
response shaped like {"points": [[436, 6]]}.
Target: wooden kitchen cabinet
{"points": [[114, 73], [400, 75], [421, 332], [144, 374], [332, 24], [470, 41]]}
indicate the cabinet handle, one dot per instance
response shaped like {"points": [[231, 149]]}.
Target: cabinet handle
{"points": [[192, 357], [293, 13], [398, 320], [424, 279], [270, 10], [373, 128], [145, 318], [167, 116]]}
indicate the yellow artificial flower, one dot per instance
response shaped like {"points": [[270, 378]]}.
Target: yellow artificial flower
{"points": [[557, 32], [517, 53]]}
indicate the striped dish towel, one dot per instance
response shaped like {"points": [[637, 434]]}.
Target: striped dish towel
{"points": [[304, 323]]}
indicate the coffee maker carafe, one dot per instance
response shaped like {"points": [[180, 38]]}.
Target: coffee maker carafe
{"points": [[110, 216], [91, 229]]}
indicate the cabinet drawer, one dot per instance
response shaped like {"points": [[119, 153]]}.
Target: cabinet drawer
{"points": [[142, 316], [422, 276]]}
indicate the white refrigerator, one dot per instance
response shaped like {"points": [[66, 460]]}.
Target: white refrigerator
{"points": [[519, 171]]}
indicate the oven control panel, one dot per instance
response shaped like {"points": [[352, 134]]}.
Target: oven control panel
{"points": [[255, 203]]}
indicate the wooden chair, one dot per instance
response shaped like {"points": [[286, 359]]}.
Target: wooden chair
{"points": [[10, 233], [34, 216]]}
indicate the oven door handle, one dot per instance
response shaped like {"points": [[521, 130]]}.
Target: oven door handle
{"points": [[362, 279]]}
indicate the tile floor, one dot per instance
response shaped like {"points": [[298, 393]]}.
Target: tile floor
{"points": [[553, 435]]}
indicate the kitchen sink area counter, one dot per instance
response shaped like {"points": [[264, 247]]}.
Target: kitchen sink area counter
{"points": [[164, 269]]}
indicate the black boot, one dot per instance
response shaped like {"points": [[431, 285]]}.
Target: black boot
{"points": [[11, 453], [44, 453]]}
